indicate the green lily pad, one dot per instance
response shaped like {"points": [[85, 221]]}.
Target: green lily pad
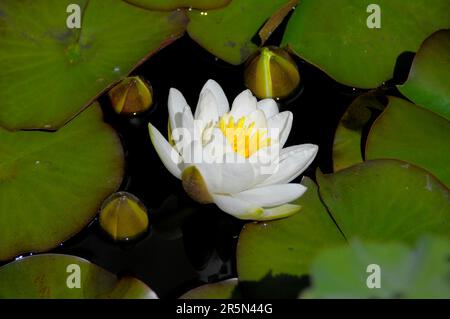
{"points": [[428, 83], [334, 36], [227, 33], [404, 273], [226, 289], [269, 251], [348, 136], [386, 200], [52, 183], [411, 133], [174, 4], [49, 72], [52, 276], [381, 200]]}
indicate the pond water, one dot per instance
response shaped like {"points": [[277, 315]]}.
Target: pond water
{"points": [[189, 244]]}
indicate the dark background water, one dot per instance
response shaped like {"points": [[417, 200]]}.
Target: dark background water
{"points": [[190, 244]]}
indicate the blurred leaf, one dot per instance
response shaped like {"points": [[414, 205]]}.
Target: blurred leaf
{"points": [[52, 183], [386, 200], [46, 277], [428, 83], [381, 200], [49, 72], [420, 273], [286, 246], [220, 290], [227, 33], [408, 132], [348, 136], [334, 36], [174, 4]]}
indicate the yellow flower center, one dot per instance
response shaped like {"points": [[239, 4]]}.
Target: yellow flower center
{"points": [[245, 139]]}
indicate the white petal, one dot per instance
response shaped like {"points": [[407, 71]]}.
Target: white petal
{"points": [[187, 120], [225, 177], [269, 107], [293, 161], [177, 105], [243, 105], [206, 110], [280, 126], [168, 155], [273, 195], [236, 207], [220, 97], [248, 211], [191, 154], [217, 145], [258, 117], [279, 212]]}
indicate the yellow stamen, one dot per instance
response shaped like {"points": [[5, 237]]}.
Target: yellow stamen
{"points": [[244, 139]]}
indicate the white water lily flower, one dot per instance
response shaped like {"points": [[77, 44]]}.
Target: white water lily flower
{"points": [[235, 158]]}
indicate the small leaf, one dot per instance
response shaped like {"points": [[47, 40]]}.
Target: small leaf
{"points": [[227, 33], [52, 183], [334, 36], [47, 276], [49, 72], [411, 133], [386, 200], [348, 136], [428, 83]]}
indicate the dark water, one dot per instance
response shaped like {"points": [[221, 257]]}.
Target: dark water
{"points": [[190, 244]]}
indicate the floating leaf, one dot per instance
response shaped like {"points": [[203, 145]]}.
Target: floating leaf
{"points": [[50, 276], [348, 136], [334, 36], [386, 200], [49, 72], [174, 4], [285, 247], [227, 33], [52, 183], [377, 200], [428, 83], [413, 134], [404, 273], [226, 289]]}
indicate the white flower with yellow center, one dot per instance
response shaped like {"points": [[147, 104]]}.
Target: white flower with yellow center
{"points": [[235, 158]]}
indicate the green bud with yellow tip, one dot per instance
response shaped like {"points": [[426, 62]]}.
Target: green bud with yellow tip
{"points": [[132, 95], [271, 73], [123, 216]]}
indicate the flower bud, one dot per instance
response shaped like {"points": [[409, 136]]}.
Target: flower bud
{"points": [[123, 216], [132, 95], [271, 73]]}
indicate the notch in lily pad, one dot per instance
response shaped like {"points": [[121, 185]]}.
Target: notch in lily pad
{"points": [[131, 96], [124, 217], [271, 73]]}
